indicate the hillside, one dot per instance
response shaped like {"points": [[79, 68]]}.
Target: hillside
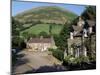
{"points": [[43, 28], [46, 14]]}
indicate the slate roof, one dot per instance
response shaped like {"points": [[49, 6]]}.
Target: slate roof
{"points": [[91, 22], [77, 28], [38, 40]]}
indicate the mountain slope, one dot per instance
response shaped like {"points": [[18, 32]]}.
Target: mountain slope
{"points": [[46, 14]]}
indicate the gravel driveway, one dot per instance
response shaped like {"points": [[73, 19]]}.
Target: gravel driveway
{"points": [[32, 62]]}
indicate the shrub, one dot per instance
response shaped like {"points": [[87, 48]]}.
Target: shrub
{"points": [[84, 59], [57, 53], [50, 49], [72, 60], [93, 58], [44, 34]]}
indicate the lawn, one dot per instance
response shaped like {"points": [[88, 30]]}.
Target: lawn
{"points": [[36, 29]]}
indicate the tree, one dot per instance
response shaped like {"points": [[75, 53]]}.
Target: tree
{"points": [[15, 27], [50, 29], [25, 35], [16, 39], [44, 34], [64, 35], [89, 13]]}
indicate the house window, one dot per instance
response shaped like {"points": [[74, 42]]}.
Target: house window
{"points": [[85, 51], [90, 29], [85, 32], [77, 51], [71, 35], [71, 51]]}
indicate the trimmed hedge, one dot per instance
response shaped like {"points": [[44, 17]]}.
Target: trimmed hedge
{"points": [[59, 54]]}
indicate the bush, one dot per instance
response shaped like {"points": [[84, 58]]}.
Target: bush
{"points": [[50, 49], [93, 58], [69, 59], [18, 43], [44, 34], [72, 60], [57, 53], [84, 59]]}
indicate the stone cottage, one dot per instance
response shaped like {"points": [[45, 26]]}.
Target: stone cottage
{"points": [[81, 32], [40, 44]]}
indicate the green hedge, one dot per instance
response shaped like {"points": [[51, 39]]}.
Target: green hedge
{"points": [[59, 54]]}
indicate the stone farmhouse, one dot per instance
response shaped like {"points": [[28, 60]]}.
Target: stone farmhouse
{"points": [[40, 44], [84, 30]]}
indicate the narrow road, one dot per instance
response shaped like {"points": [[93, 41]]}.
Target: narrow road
{"points": [[31, 62]]}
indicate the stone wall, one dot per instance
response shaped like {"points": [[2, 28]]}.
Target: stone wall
{"points": [[77, 41]]}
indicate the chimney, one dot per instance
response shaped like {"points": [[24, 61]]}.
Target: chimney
{"points": [[80, 22]]}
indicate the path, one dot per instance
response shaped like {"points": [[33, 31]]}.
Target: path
{"points": [[37, 62]]}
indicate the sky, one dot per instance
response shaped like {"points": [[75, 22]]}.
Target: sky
{"points": [[19, 6]]}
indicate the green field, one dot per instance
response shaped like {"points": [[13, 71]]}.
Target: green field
{"points": [[36, 29]]}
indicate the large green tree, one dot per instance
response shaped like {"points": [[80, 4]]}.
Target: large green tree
{"points": [[16, 38], [62, 38], [89, 13], [15, 27]]}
